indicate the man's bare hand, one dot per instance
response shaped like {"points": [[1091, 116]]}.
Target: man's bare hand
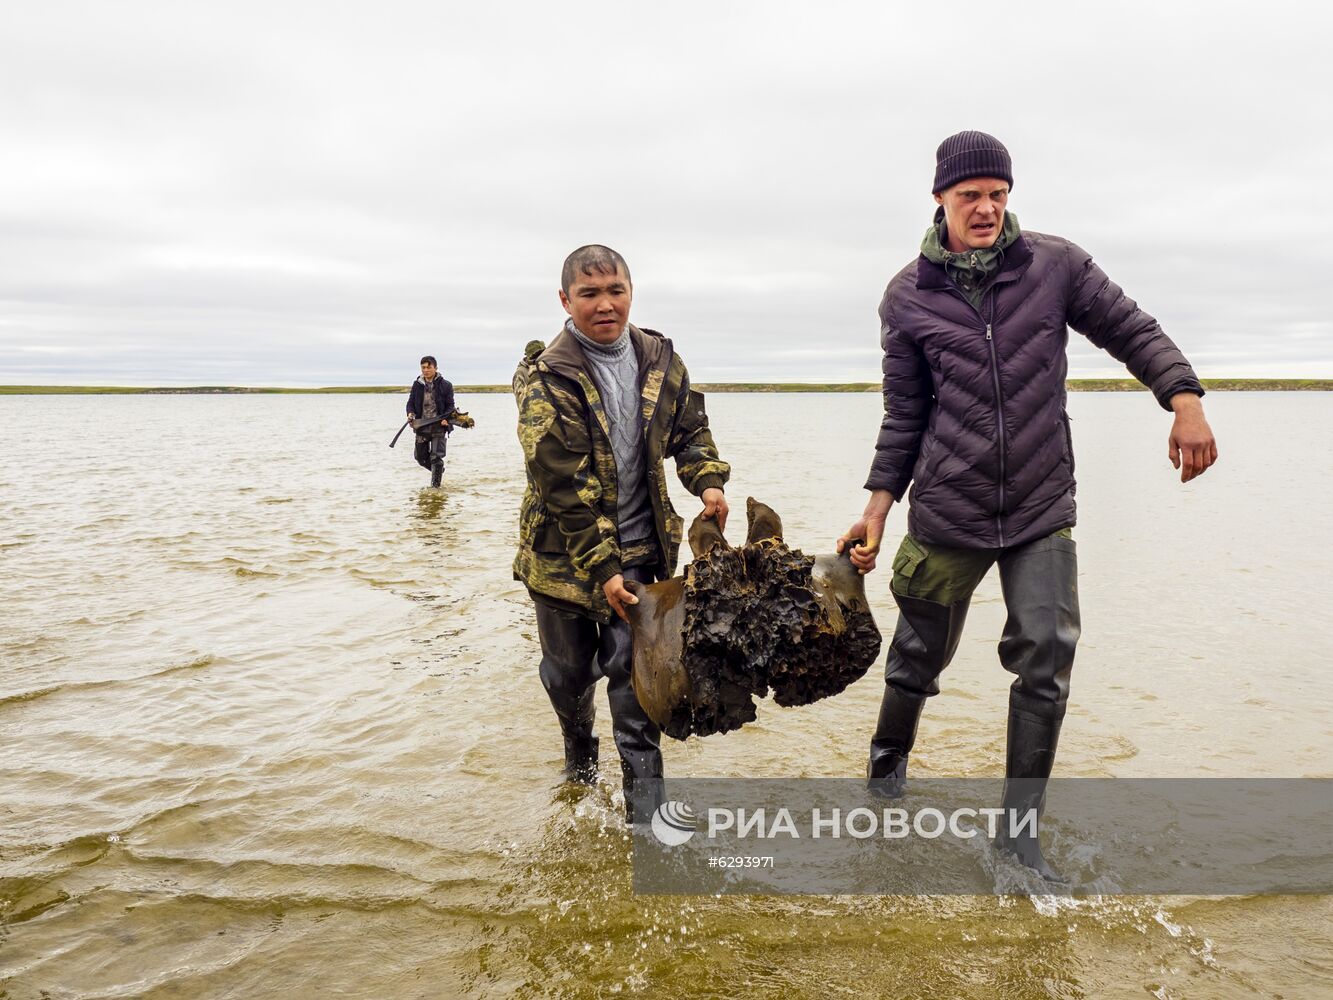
{"points": [[715, 505], [617, 596], [870, 528], [1192, 449]]}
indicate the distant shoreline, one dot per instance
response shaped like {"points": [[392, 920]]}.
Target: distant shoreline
{"points": [[1074, 385]]}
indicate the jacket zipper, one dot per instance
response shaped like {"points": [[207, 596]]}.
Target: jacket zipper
{"points": [[999, 419], [654, 497], [999, 404]]}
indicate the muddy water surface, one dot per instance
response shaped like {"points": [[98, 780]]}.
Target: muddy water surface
{"points": [[270, 722]]}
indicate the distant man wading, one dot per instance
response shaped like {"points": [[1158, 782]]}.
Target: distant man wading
{"points": [[431, 396], [599, 411], [974, 335]]}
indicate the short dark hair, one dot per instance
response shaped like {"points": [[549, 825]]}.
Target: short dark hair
{"points": [[431, 361], [594, 258]]}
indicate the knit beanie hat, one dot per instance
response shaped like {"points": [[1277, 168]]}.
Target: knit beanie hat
{"points": [[970, 154]]}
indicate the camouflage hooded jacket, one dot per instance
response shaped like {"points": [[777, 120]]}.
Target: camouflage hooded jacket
{"points": [[567, 542]]}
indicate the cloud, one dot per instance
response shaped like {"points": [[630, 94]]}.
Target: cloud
{"points": [[299, 195]]}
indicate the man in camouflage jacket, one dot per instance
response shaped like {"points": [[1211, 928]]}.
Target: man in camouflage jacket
{"points": [[601, 408]]}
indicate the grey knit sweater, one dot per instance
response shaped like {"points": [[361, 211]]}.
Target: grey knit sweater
{"points": [[615, 371]]}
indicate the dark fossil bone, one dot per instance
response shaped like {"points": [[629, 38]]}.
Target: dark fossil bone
{"points": [[743, 622]]}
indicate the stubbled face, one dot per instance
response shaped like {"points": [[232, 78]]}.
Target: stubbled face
{"points": [[974, 212], [428, 371], [599, 304]]}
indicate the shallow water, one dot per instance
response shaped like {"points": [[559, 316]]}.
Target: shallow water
{"points": [[271, 721]]}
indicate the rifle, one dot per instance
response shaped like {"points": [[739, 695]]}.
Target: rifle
{"points": [[456, 418]]}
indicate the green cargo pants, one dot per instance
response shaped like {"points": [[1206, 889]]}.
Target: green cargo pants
{"points": [[933, 587], [943, 574]]}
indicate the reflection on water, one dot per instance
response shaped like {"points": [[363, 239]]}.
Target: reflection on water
{"points": [[272, 724], [430, 505]]}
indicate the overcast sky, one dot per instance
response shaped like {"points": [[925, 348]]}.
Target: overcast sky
{"points": [[317, 194]]}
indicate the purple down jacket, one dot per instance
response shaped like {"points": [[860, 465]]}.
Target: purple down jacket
{"points": [[974, 401]]}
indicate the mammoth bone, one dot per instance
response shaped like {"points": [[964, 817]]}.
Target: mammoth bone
{"points": [[742, 621]]}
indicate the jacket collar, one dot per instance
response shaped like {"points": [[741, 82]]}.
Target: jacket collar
{"points": [[1017, 257], [565, 356]]}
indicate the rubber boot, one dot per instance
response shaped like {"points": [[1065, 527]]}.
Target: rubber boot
{"points": [[569, 646], [645, 789], [895, 734], [1029, 757], [1040, 585], [580, 744], [581, 758], [638, 740], [922, 646], [436, 472]]}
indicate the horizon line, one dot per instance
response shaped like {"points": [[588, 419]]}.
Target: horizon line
{"points": [[1076, 385]]}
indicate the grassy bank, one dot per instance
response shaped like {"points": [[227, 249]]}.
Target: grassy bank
{"points": [[1211, 384], [1075, 385]]}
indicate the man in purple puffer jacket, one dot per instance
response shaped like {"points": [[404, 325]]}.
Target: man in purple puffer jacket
{"points": [[974, 333]]}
